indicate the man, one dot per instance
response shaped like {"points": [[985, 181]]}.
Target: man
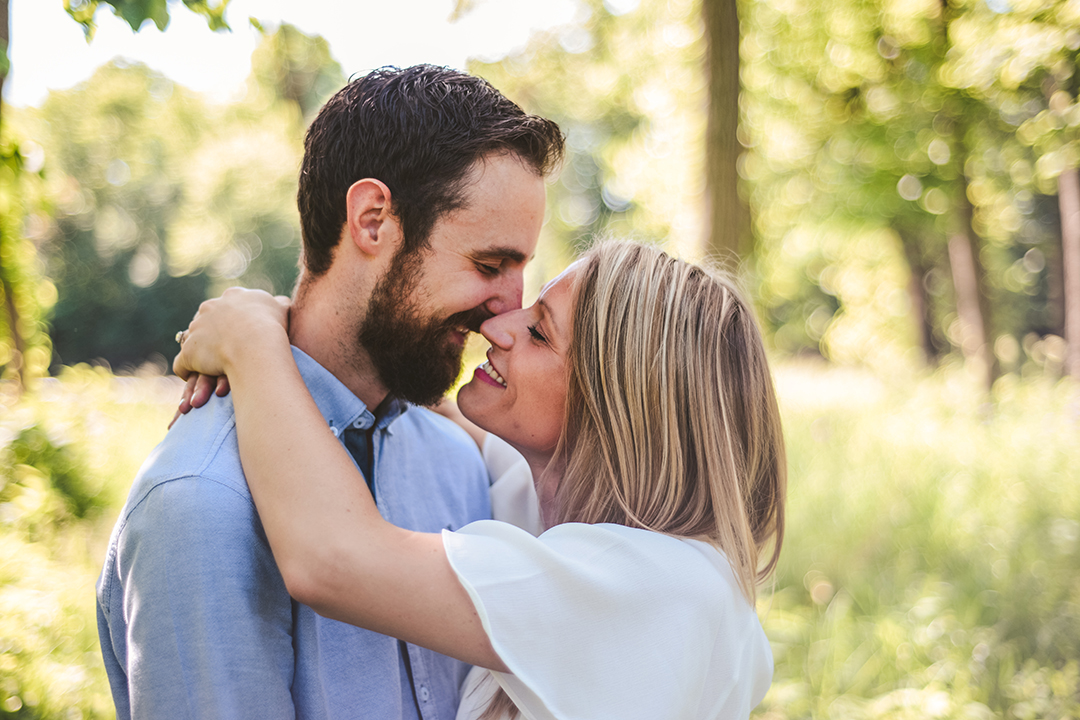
{"points": [[421, 198]]}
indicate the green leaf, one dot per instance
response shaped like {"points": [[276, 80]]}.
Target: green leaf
{"points": [[214, 13], [136, 12], [82, 11]]}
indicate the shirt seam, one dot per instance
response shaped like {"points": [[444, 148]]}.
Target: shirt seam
{"points": [[201, 474]]}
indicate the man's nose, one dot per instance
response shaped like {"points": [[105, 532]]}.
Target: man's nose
{"points": [[507, 295]]}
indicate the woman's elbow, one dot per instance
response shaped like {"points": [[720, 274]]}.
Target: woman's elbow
{"points": [[318, 579], [302, 584]]}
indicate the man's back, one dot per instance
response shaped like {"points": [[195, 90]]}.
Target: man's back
{"points": [[194, 618]]}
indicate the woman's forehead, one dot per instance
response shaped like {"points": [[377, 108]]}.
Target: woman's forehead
{"points": [[566, 275]]}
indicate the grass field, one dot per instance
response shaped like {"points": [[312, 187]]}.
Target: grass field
{"points": [[931, 567]]}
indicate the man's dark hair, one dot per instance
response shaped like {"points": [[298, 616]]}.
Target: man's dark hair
{"points": [[419, 130]]}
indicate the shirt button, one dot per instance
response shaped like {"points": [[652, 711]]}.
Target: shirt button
{"points": [[335, 431], [424, 694]]}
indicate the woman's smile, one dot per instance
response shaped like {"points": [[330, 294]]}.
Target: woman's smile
{"points": [[528, 347], [487, 373]]}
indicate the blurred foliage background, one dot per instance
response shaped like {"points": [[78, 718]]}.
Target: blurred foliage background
{"points": [[894, 179]]}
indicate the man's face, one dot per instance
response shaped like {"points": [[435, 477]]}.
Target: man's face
{"points": [[422, 310]]}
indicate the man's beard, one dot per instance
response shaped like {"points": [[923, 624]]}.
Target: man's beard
{"points": [[416, 358]]}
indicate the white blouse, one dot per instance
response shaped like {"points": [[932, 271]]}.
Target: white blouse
{"points": [[605, 621], [513, 495]]}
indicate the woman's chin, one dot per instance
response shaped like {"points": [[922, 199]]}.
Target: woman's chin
{"points": [[470, 407]]}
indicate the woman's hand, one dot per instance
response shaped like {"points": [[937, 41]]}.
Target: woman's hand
{"points": [[228, 319], [237, 324], [197, 392]]}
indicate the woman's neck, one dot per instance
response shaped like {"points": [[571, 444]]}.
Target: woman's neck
{"points": [[546, 478]]}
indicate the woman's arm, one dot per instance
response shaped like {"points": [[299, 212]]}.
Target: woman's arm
{"points": [[334, 550]]}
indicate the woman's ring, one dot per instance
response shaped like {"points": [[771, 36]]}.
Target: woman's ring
{"points": [[181, 337]]}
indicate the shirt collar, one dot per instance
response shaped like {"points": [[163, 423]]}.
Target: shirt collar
{"points": [[341, 408]]}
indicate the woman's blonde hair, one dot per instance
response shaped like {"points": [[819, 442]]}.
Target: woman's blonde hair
{"points": [[671, 418]]}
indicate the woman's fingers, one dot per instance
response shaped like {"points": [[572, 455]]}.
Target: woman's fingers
{"points": [[204, 387], [197, 392], [239, 319], [185, 398], [189, 393], [180, 367]]}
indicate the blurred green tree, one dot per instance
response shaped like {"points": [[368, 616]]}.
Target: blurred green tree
{"points": [[727, 215], [648, 93], [1020, 59], [162, 200], [626, 83], [238, 217], [118, 147], [295, 68], [24, 345], [866, 127]]}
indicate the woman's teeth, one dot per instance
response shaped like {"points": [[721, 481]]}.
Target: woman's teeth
{"points": [[486, 367]]}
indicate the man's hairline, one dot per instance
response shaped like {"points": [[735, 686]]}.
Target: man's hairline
{"points": [[470, 178]]}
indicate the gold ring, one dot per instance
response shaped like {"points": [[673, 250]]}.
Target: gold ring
{"points": [[181, 337]]}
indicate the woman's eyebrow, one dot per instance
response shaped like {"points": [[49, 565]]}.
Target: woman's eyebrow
{"points": [[549, 317]]}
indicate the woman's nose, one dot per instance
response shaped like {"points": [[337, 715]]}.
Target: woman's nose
{"points": [[497, 330]]}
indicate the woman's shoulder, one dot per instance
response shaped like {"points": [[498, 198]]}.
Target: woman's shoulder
{"points": [[639, 565], [595, 617]]}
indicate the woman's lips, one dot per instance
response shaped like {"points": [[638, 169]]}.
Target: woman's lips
{"points": [[486, 373]]}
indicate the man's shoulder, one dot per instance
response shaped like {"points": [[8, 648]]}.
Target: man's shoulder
{"points": [[199, 449]]}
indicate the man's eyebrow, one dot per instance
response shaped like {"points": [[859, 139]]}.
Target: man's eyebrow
{"points": [[501, 253]]}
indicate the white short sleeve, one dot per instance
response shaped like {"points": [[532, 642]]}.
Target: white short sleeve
{"points": [[513, 495], [605, 621]]}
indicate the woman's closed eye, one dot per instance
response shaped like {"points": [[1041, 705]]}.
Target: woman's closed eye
{"points": [[536, 334]]}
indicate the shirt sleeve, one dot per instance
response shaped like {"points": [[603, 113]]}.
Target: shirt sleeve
{"points": [[605, 621], [208, 616]]}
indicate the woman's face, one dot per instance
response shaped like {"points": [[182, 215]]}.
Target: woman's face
{"points": [[519, 393]]}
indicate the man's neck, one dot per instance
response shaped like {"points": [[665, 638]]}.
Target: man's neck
{"points": [[317, 331]]}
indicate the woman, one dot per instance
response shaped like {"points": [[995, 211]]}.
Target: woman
{"points": [[638, 391]]}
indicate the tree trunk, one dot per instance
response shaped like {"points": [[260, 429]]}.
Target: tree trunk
{"points": [[1069, 204], [727, 220], [11, 310], [920, 302], [972, 306]]}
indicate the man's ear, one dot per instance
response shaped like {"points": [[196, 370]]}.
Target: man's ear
{"points": [[370, 225]]}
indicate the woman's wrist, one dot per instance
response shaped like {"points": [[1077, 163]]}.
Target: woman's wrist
{"points": [[258, 344]]}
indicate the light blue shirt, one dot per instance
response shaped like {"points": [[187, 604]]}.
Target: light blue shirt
{"points": [[193, 615]]}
